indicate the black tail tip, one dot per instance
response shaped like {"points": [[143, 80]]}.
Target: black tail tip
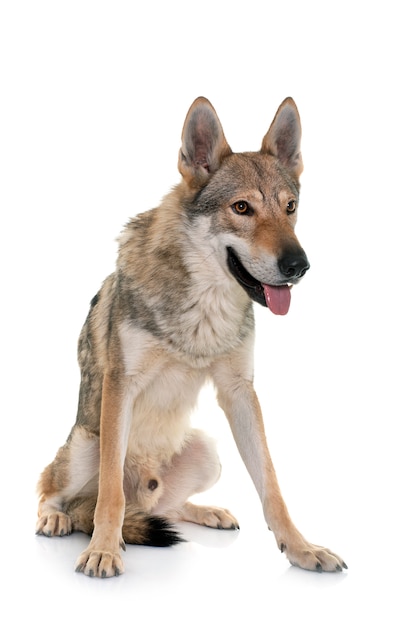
{"points": [[162, 533]]}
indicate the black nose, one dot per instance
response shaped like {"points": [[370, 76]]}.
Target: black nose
{"points": [[294, 265]]}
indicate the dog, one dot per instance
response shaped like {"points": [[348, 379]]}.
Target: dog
{"points": [[177, 312]]}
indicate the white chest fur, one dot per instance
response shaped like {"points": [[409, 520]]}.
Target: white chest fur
{"points": [[211, 318], [164, 392]]}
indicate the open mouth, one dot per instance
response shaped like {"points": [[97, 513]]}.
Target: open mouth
{"points": [[276, 297]]}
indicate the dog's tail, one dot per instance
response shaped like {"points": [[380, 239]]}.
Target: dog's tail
{"points": [[138, 528]]}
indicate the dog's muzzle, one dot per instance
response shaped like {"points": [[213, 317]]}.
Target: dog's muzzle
{"points": [[276, 297]]}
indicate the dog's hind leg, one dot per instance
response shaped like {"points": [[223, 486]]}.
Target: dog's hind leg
{"points": [[74, 467], [194, 470], [54, 479]]}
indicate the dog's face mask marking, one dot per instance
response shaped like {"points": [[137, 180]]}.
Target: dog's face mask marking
{"points": [[251, 200]]}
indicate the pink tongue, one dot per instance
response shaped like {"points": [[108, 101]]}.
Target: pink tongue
{"points": [[278, 299]]}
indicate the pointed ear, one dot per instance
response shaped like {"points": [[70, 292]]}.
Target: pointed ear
{"points": [[203, 144], [284, 137]]}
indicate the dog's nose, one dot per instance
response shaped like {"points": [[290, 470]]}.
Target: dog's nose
{"points": [[294, 265]]}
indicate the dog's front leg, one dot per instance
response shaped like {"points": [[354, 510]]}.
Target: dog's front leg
{"points": [[239, 401], [102, 557]]}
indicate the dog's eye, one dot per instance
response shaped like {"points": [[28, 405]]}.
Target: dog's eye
{"points": [[242, 208], [291, 207]]}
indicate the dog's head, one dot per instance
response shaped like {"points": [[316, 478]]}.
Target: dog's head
{"points": [[249, 199]]}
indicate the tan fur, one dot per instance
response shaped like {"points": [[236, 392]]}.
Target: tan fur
{"points": [[176, 312]]}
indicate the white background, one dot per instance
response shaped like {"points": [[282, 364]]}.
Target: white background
{"points": [[93, 98]]}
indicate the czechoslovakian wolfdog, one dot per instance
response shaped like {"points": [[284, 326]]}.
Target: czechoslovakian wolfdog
{"points": [[176, 312]]}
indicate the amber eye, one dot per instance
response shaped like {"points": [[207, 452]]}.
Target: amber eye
{"points": [[291, 207], [242, 208]]}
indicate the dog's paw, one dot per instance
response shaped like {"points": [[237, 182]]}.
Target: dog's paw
{"points": [[100, 564], [211, 516], [54, 525], [311, 557]]}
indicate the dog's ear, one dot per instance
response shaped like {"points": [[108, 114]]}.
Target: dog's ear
{"points": [[203, 146], [284, 137]]}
